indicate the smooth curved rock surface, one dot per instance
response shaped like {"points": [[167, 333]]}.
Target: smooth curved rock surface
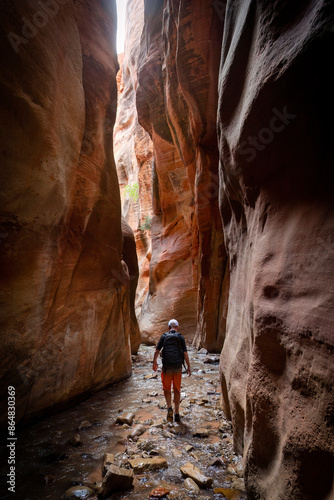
{"points": [[134, 149], [130, 258], [177, 104], [275, 123], [64, 296]]}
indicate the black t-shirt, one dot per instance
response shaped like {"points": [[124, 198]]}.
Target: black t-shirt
{"points": [[183, 342], [184, 349]]}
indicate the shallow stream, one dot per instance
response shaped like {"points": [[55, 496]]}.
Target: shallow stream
{"points": [[48, 464]]}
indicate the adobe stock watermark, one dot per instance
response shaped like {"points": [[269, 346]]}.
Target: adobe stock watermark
{"points": [[220, 7], [47, 9], [39, 362], [324, 250], [88, 140], [278, 122]]}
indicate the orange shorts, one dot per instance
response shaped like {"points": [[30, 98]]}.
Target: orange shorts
{"points": [[168, 378]]}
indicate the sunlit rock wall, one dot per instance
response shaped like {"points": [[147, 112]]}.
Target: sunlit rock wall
{"points": [[134, 150], [177, 104], [65, 317], [276, 130]]}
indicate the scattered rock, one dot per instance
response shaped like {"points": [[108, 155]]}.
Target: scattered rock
{"points": [[75, 440], [201, 433], [228, 493], [153, 394], [151, 376], [189, 448], [138, 430], [189, 470], [108, 460], [116, 479], [141, 465], [145, 445], [159, 493], [81, 492], [177, 453], [85, 425], [202, 351], [217, 462], [212, 360], [158, 424], [225, 427], [147, 401], [178, 429], [126, 418], [49, 478], [190, 485], [238, 484]]}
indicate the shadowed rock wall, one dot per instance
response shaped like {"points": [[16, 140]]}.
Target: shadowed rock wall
{"points": [[275, 129], [177, 104], [65, 289]]}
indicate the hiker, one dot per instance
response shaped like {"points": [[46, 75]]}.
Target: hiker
{"points": [[174, 352]]}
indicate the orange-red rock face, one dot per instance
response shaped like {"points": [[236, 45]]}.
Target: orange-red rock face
{"points": [[134, 149], [275, 192], [177, 104], [275, 124], [65, 289]]}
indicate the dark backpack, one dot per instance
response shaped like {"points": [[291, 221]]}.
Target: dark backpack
{"points": [[172, 352]]}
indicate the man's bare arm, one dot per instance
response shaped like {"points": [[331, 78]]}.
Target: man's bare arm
{"points": [[186, 357], [155, 360]]}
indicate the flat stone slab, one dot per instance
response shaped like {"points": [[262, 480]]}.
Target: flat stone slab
{"points": [[190, 485], [228, 493], [125, 418], [108, 460], [140, 465], [138, 430], [201, 433], [80, 492], [159, 493], [116, 479], [189, 470]]}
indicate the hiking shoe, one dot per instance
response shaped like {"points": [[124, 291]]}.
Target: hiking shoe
{"points": [[177, 417], [170, 415]]}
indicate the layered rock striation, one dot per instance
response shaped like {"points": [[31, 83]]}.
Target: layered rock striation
{"points": [[177, 104], [267, 263], [65, 295], [134, 150], [275, 123]]}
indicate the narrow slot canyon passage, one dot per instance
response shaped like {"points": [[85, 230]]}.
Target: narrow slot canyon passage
{"points": [[70, 447], [184, 171]]}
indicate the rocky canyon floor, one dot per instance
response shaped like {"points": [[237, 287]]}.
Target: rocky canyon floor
{"points": [[62, 456]]}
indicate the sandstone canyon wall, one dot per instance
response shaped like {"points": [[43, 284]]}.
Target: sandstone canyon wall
{"points": [[177, 104], [134, 150], [275, 128], [274, 240], [65, 315]]}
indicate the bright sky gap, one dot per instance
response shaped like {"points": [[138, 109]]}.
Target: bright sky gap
{"points": [[121, 8]]}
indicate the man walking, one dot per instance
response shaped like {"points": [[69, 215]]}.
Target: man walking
{"points": [[174, 352]]}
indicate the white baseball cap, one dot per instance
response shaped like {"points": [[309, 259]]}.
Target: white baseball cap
{"points": [[173, 323]]}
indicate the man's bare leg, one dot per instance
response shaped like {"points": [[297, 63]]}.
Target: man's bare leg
{"points": [[168, 398], [177, 397]]}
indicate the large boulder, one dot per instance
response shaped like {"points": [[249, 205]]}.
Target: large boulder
{"points": [[65, 319]]}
